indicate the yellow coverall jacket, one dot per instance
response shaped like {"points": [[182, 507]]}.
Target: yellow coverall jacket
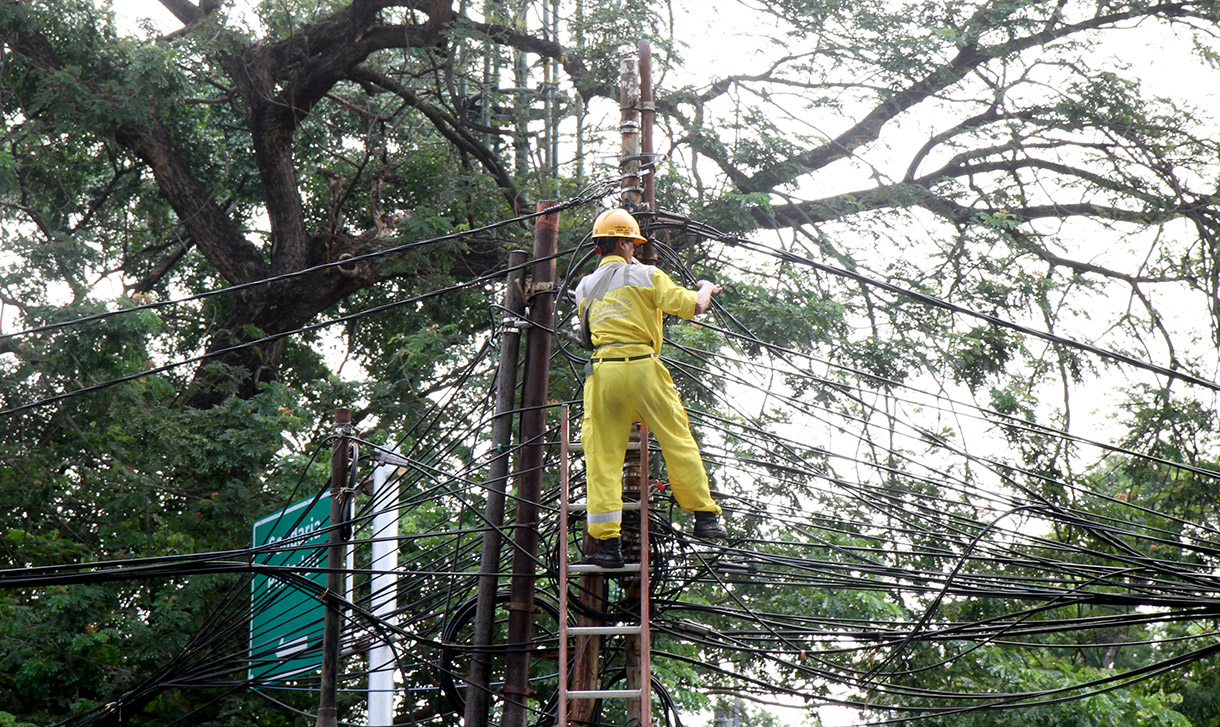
{"points": [[626, 324]]}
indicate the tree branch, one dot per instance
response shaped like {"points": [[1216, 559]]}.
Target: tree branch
{"points": [[449, 127], [572, 65], [969, 58], [217, 237]]}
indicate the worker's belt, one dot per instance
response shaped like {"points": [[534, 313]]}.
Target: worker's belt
{"points": [[626, 358]]}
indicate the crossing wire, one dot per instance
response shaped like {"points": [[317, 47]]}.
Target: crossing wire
{"points": [[912, 538]]}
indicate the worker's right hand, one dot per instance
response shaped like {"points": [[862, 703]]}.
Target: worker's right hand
{"points": [[716, 289]]}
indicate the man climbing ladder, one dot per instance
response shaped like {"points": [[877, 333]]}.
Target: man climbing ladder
{"points": [[620, 306]]}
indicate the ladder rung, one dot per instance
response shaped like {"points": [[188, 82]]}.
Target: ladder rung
{"points": [[604, 694], [604, 630], [582, 568], [580, 506]]}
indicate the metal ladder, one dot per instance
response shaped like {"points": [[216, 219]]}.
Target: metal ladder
{"points": [[566, 570]]}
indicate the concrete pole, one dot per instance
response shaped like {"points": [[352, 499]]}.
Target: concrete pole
{"points": [[478, 690], [332, 624], [384, 588], [533, 457]]}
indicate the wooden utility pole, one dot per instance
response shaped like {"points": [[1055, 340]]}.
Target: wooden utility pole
{"points": [[648, 114], [533, 457], [630, 191], [478, 691], [647, 117], [328, 711]]}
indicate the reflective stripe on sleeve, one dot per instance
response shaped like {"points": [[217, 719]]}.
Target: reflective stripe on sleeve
{"points": [[605, 517]]}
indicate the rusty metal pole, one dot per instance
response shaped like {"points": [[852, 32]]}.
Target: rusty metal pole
{"points": [[533, 457], [328, 710], [478, 691]]}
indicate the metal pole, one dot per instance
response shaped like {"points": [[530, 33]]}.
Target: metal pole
{"points": [[331, 627], [478, 690], [533, 456]]}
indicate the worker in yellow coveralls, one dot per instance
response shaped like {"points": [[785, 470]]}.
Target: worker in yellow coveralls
{"points": [[620, 305]]}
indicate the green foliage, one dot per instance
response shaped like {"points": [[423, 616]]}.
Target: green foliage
{"points": [[979, 353]]}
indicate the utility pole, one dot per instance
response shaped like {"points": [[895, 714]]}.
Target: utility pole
{"points": [[648, 113], [629, 128], [328, 715], [478, 689], [383, 587], [533, 457]]}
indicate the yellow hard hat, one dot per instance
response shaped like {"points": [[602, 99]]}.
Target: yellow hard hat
{"points": [[617, 223]]}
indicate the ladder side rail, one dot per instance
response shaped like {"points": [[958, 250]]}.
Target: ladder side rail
{"points": [[562, 717], [645, 590]]}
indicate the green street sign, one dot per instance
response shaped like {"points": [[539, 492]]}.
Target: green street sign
{"points": [[286, 617]]}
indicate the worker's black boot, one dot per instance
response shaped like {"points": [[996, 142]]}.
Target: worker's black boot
{"points": [[607, 555], [708, 527]]}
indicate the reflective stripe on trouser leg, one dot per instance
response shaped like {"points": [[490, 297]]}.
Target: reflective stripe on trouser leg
{"points": [[601, 518]]}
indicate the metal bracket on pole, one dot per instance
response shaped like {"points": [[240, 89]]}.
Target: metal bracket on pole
{"points": [[390, 457], [538, 287]]}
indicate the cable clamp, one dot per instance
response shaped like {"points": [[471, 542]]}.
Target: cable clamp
{"points": [[384, 456], [516, 691], [541, 286], [516, 324], [649, 158], [692, 627]]}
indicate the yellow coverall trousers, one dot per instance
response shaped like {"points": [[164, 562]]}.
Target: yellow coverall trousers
{"points": [[618, 394]]}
